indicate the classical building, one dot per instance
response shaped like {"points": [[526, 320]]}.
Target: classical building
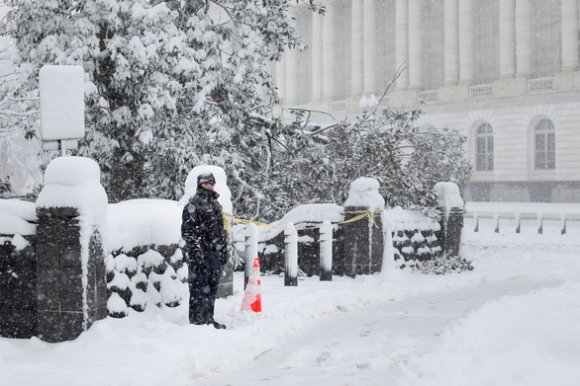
{"points": [[502, 72]]}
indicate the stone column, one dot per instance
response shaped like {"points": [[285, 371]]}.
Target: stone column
{"points": [[402, 42], [507, 59], [523, 39], [317, 70], [451, 42], [71, 285], [292, 75], [251, 243], [415, 45], [356, 37], [328, 54], [569, 35], [369, 46], [450, 206], [363, 239], [290, 255], [465, 41]]}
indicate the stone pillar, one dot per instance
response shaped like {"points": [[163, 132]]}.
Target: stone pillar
{"points": [[363, 238], [356, 37], [523, 39], [507, 59], [290, 256], [451, 43], [415, 46], [450, 206], [316, 51], [328, 54], [251, 242], [465, 11], [402, 42], [292, 75], [369, 47], [569, 35], [72, 215], [325, 258]]}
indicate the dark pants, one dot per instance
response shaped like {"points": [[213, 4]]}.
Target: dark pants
{"points": [[204, 277]]}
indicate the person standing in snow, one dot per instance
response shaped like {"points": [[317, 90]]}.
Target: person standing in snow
{"points": [[205, 237]]}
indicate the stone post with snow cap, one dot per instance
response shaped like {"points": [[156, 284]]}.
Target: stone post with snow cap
{"points": [[450, 206], [363, 238], [72, 217]]}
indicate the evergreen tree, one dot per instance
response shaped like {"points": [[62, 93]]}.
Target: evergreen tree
{"points": [[169, 84], [173, 84], [19, 143], [300, 163]]}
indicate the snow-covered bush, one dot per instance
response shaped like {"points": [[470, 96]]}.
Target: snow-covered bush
{"points": [[146, 266], [444, 263]]}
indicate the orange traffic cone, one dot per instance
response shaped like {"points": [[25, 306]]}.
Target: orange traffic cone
{"points": [[252, 298]]}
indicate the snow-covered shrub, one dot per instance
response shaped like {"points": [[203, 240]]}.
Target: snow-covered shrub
{"points": [[444, 263], [148, 276], [116, 306], [146, 266]]}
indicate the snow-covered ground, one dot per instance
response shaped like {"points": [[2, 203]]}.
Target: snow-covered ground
{"points": [[513, 320]]}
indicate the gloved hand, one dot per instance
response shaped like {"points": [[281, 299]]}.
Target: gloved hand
{"points": [[224, 256], [194, 254]]}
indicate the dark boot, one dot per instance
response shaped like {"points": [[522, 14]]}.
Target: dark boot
{"points": [[217, 325]]}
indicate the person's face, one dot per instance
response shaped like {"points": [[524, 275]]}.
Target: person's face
{"points": [[208, 185]]}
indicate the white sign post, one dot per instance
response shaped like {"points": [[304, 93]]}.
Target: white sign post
{"points": [[62, 106]]}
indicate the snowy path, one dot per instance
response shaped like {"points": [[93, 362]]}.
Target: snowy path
{"points": [[366, 346]]}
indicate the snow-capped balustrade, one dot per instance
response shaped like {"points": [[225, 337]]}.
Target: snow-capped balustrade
{"points": [[357, 235], [413, 236]]}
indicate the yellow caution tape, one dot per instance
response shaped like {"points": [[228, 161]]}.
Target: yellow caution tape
{"points": [[358, 217], [362, 215], [244, 221]]}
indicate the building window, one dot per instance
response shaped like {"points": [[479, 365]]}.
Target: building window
{"points": [[484, 156], [545, 138]]}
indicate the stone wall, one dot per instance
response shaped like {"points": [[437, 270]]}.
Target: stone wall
{"points": [[71, 293], [18, 310]]}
